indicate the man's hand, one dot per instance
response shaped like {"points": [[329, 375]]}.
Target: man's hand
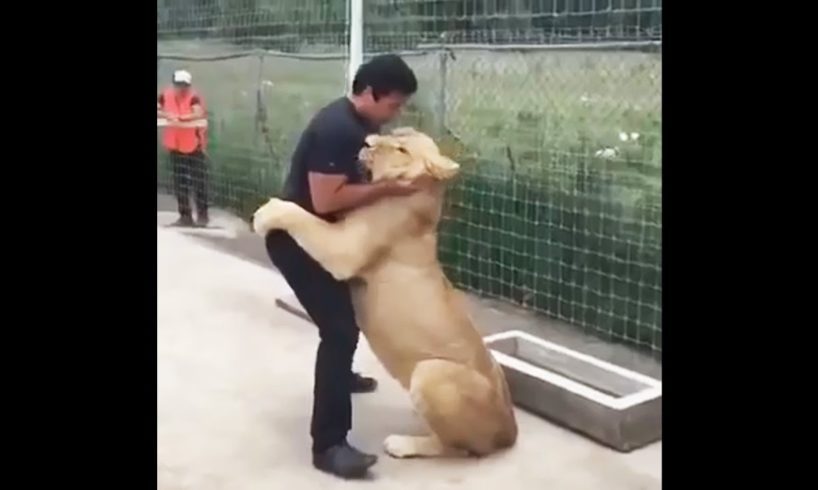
{"points": [[197, 113]]}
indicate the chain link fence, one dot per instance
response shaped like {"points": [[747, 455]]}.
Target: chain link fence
{"points": [[553, 108]]}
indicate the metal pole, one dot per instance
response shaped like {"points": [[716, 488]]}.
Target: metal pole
{"points": [[440, 111], [356, 39]]}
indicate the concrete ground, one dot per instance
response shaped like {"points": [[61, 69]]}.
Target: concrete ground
{"points": [[234, 395]]}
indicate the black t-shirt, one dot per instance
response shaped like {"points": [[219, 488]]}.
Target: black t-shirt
{"points": [[329, 145]]}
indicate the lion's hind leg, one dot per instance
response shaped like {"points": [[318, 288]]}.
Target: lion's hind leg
{"points": [[461, 407]]}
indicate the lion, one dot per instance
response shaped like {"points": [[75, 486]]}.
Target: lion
{"points": [[415, 321]]}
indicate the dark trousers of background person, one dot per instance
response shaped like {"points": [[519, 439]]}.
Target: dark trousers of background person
{"points": [[329, 304], [190, 176]]}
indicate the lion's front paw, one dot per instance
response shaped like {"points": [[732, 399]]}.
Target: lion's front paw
{"points": [[400, 446], [271, 216]]}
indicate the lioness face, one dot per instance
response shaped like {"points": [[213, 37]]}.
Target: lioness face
{"points": [[405, 154]]}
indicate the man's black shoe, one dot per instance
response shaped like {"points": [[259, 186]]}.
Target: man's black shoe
{"points": [[371, 458], [344, 460], [363, 384]]}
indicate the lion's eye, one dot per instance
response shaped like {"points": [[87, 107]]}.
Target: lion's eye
{"points": [[402, 150]]}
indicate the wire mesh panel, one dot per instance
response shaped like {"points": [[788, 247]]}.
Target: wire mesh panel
{"points": [[264, 68], [552, 107], [401, 23], [554, 110], [284, 25], [560, 208]]}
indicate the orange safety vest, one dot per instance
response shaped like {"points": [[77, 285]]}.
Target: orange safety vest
{"points": [[183, 140]]}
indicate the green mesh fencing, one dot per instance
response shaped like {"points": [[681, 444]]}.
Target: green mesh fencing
{"points": [[553, 108]]}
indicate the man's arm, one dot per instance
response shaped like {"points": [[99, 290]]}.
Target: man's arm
{"points": [[332, 192], [334, 153], [197, 112]]}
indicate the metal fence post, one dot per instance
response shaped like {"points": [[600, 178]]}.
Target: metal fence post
{"points": [[261, 113], [356, 40], [262, 117], [440, 110]]}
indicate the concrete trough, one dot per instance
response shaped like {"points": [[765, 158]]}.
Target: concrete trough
{"points": [[614, 406]]}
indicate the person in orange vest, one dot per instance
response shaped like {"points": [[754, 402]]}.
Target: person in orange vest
{"points": [[185, 138]]}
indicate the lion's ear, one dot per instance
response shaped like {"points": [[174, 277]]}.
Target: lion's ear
{"points": [[441, 167], [372, 139]]}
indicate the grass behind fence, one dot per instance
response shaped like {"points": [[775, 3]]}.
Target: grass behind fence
{"points": [[536, 218]]}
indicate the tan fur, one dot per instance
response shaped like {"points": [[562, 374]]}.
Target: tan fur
{"points": [[415, 321]]}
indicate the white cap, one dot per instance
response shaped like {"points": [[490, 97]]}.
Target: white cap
{"points": [[182, 76]]}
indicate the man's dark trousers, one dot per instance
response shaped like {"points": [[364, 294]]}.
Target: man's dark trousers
{"points": [[329, 304], [190, 174]]}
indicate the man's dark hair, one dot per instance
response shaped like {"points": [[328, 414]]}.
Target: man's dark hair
{"points": [[385, 74]]}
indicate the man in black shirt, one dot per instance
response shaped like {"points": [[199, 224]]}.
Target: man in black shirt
{"points": [[325, 178]]}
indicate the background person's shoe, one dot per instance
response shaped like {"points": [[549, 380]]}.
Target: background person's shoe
{"points": [[185, 221], [363, 384], [344, 460], [202, 221]]}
